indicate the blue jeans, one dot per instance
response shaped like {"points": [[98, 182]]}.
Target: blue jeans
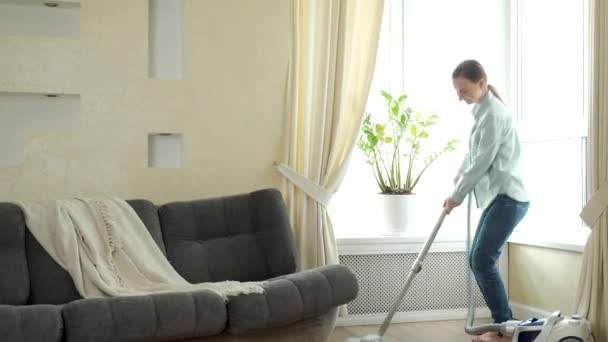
{"points": [[495, 226]]}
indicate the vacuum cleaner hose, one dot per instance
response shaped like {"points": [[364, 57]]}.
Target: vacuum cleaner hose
{"points": [[469, 328]]}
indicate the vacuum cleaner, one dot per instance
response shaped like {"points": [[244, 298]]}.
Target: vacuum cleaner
{"points": [[555, 328]]}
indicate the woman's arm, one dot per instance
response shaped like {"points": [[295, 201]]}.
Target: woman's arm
{"points": [[463, 166]]}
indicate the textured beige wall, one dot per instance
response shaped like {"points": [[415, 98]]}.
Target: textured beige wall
{"points": [[543, 278], [229, 106]]}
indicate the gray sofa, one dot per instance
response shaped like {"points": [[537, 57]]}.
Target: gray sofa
{"points": [[244, 237]]}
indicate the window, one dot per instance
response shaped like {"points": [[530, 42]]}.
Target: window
{"points": [[421, 42], [550, 69], [534, 53]]}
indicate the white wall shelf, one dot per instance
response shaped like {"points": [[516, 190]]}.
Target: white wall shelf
{"points": [[40, 46], [165, 55], [34, 18], [165, 150], [39, 64], [19, 111]]}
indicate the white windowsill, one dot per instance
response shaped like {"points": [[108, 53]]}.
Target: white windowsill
{"points": [[363, 242], [373, 242], [364, 233]]}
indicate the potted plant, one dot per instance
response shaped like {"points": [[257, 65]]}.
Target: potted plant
{"points": [[394, 150]]}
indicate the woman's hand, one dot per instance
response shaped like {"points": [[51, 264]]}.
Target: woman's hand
{"points": [[450, 204]]}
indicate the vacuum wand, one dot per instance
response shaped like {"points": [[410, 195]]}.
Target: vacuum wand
{"points": [[414, 270]]}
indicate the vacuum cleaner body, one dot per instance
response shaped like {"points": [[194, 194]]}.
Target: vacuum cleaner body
{"points": [[554, 328]]}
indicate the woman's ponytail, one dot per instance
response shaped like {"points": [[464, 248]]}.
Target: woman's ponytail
{"points": [[495, 92]]}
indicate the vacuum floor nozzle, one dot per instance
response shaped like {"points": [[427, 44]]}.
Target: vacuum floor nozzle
{"points": [[368, 338]]}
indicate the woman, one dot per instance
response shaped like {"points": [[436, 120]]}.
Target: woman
{"points": [[492, 170]]}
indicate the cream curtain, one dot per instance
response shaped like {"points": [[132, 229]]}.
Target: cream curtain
{"points": [[334, 54], [592, 296]]}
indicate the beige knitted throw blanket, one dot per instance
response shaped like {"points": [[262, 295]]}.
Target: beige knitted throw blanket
{"points": [[108, 251]]}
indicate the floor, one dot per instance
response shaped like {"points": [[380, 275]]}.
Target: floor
{"points": [[440, 331]]}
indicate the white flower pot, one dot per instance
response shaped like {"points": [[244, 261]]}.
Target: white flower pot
{"points": [[398, 213]]}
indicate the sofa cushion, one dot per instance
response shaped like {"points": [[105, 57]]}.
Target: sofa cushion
{"points": [[154, 317], [291, 298], [29, 323], [51, 284], [14, 282], [243, 237]]}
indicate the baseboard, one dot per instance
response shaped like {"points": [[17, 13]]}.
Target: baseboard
{"points": [[407, 317], [523, 312]]}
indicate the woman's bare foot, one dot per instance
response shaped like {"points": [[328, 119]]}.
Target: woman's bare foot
{"points": [[491, 337]]}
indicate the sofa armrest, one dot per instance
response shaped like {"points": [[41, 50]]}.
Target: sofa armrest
{"points": [[30, 323], [292, 297], [153, 317]]}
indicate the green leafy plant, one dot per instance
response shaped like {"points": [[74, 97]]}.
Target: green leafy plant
{"points": [[394, 148]]}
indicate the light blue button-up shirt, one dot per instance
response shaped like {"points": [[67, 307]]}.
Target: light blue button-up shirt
{"points": [[493, 164]]}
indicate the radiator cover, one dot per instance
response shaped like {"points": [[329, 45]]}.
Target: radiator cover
{"points": [[440, 285]]}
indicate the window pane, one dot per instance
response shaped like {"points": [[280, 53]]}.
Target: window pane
{"points": [[552, 68], [419, 48], [554, 180], [435, 41]]}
